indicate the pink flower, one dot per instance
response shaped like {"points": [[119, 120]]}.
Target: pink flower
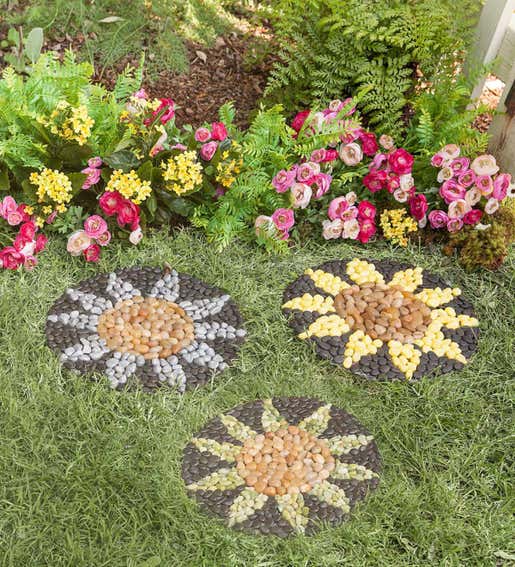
{"points": [[485, 165], [94, 226], [401, 196], [219, 193], [450, 151], [393, 182], [110, 202], [202, 135], [27, 230], [450, 191], [135, 236], [180, 147], [485, 184], [323, 183], [142, 94], [299, 120], [318, 156], [351, 154], [439, 160], [367, 230], [368, 142], [284, 180], [492, 205], [104, 238], [366, 211], [14, 218], [95, 162], [24, 246], [41, 242], [93, 177], [283, 219], [473, 196], [459, 165], [330, 155], [337, 207], [458, 208], [10, 258], [400, 161], [453, 225], [467, 178], [351, 197], [167, 106], [445, 174], [51, 217], [159, 145], [438, 219], [207, 151], [300, 195], [418, 206], [306, 172], [92, 253], [332, 229], [375, 180], [377, 162], [351, 229], [406, 181], [473, 216], [78, 242], [218, 131], [128, 214], [501, 186], [8, 205], [261, 223], [387, 142], [349, 214]]}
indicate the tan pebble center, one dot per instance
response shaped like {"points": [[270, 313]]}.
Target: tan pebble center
{"points": [[287, 461], [154, 328], [383, 312]]}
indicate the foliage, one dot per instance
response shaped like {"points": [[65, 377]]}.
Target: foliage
{"points": [[330, 49]]}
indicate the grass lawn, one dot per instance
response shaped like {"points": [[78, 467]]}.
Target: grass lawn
{"points": [[91, 477]]}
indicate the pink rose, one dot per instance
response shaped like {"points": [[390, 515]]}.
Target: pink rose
{"points": [[27, 230], [300, 195], [368, 142], [135, 236], [332, 229], [10, 258], [337, 207], [128, 214], [485, 184], [93, 177], [439, 160], [218, 131], [473, 196], [377, 162], [453, 225], [418, 206], [438, 219], [24, 246], [387, 142], [14, 218], [367, 230], [401, 196], [94, 226], [283, 219], [323, 183], [318, 156], [349, 214], [167, 106], [351, 197], [8, 205], [104, 238], [393, 182], [375, 180], [284, 180], [366, 211], [492, 205], [41, 242], [78, 242], [467, 178], [484, 165], [400, 161], [473, 216], [110, 202], [263, 223], [306, 172], [450, 151], [330, 155], [95, 162], [458, 208], [92, 253], [406, 182], [141, 94], [299, 120], [501, 186], [202, 135], [351, 229], [207, 151], [351, 154], [459, 165], [451, 191], [445, 174]]}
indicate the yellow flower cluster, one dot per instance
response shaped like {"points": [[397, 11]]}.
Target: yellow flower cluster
{"points": [[129, 185], [76, 125], [358, 345], [182, 172], [361, 271], [405, 357], [226, 171], [396, 224], [54, 185]]}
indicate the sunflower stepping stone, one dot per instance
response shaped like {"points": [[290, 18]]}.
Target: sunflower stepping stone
{"points": [[382, 320], [281, 466], [146, 325]]}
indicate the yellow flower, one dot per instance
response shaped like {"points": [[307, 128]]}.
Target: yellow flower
{"points": [[47, 210], [129, 185], [28, 210], [226, 172], [52, 184], [40, 222], [182, 172], [396, 224], [73, 123]]}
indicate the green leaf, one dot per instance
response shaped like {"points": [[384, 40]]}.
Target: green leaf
{"points": [[74, 156], [123, 159], [145, 171], [151, 204], [29, 191], [177, 205], [153, 561], [5, 183], [77, 180], [13, 36], [33, 44]]}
